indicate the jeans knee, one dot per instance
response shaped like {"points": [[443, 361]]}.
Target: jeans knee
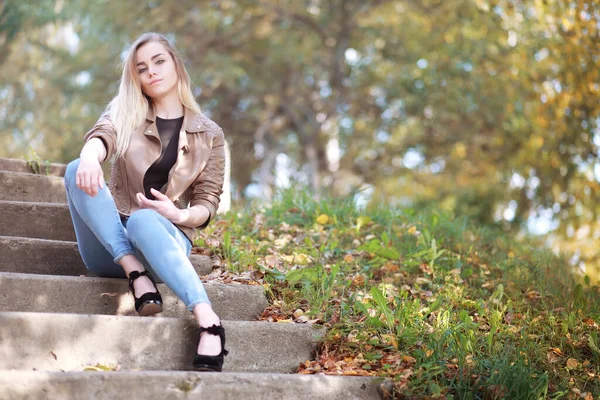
{"points": [[71, 171], [140, 223]]}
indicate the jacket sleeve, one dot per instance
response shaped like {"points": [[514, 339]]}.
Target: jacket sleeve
{"points": [[208, 186], [105, 130]]}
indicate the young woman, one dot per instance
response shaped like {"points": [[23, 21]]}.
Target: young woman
{"points": [[166, 179]]}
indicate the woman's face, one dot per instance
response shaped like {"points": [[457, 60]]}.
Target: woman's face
{"points": [[156, 70]]}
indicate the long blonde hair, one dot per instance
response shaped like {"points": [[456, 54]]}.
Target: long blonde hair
{"points": [[129, 107]]}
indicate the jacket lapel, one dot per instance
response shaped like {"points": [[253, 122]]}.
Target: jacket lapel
{"points": [[186, 167]]}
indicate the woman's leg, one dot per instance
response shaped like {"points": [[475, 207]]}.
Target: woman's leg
{"points": [[101, 238], [167, 250]]}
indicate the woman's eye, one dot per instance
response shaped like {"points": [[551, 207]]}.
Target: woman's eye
{"points": [[141, 71], [160, 61]]}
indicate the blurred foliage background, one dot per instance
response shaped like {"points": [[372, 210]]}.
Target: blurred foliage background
{"points": [[489, 108]]}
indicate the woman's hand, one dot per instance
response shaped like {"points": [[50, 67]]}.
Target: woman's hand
{"points": [[89, 176], [162, 205]]}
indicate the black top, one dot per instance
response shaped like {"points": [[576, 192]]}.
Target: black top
{"points": [[158, 173]]}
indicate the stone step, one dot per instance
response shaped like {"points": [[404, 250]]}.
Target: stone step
{"points": [[56, 257], [70, 342], [36, 220], [144, 385], [19, 186], [43, 168], [108, 296]]}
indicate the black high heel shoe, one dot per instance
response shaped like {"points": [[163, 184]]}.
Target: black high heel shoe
{"points": [[211, 363], [148, 303]]}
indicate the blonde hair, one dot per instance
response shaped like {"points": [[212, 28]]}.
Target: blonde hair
{"points": [[129, 107]]}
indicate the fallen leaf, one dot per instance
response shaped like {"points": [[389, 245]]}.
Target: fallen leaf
{"points": [[556, 351], [359, 280], [301, 259], [389, 268], [533, 295], [572, 363], [426, 268], [409, 359], [323, 219], [212, 242], [362, 221], [390, 340], [552, 358], [271, 260]]}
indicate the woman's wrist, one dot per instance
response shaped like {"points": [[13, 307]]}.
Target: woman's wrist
{"points": [[93, 150], [180, 217], [191, 217]]}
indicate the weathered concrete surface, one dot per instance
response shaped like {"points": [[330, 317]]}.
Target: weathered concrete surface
{"points": [[110, 296], [69, 342], [36, 220], [16, 165], [19, 186], [173, 385], [54, 257]]}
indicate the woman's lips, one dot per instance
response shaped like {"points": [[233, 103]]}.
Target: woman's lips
{"points": [[155, 82]]}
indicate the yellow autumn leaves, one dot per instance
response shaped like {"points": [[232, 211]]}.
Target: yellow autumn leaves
{"points": [[363, 220]]}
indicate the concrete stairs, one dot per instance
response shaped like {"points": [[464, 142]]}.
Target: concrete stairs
{"points": [[65, 334]]}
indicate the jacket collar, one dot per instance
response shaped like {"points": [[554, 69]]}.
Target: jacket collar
{"points": [[192, 122]]}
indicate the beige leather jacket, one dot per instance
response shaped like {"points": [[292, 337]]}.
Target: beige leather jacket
{"points": [[196, 178]]}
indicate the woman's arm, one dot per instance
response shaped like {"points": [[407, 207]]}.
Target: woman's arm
{"points": [[208, 187], [100, 143], [89, 176], [106, 133], [193, 216], [93, 150]]}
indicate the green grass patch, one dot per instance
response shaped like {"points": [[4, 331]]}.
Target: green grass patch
{"points": [[444, 308]]}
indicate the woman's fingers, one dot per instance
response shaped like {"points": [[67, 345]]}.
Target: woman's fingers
{"points": [[88, 184], [158, 194], [89, 178], [144, 202]]}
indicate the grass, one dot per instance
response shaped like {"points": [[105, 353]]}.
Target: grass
{"points": [[444, 308]]}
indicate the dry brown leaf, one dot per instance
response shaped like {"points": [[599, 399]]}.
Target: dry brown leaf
{"points": [[556, 351], [271, 260], [212, 242], [358, 280], [552, 358], [409, 359], [572, 363]]}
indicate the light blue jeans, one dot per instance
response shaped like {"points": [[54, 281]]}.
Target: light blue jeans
{"points": [[103, 238]]}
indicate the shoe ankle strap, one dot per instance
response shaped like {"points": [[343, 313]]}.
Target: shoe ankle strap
{"points": [[217, 331], [136, 274], [213, 330]]}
